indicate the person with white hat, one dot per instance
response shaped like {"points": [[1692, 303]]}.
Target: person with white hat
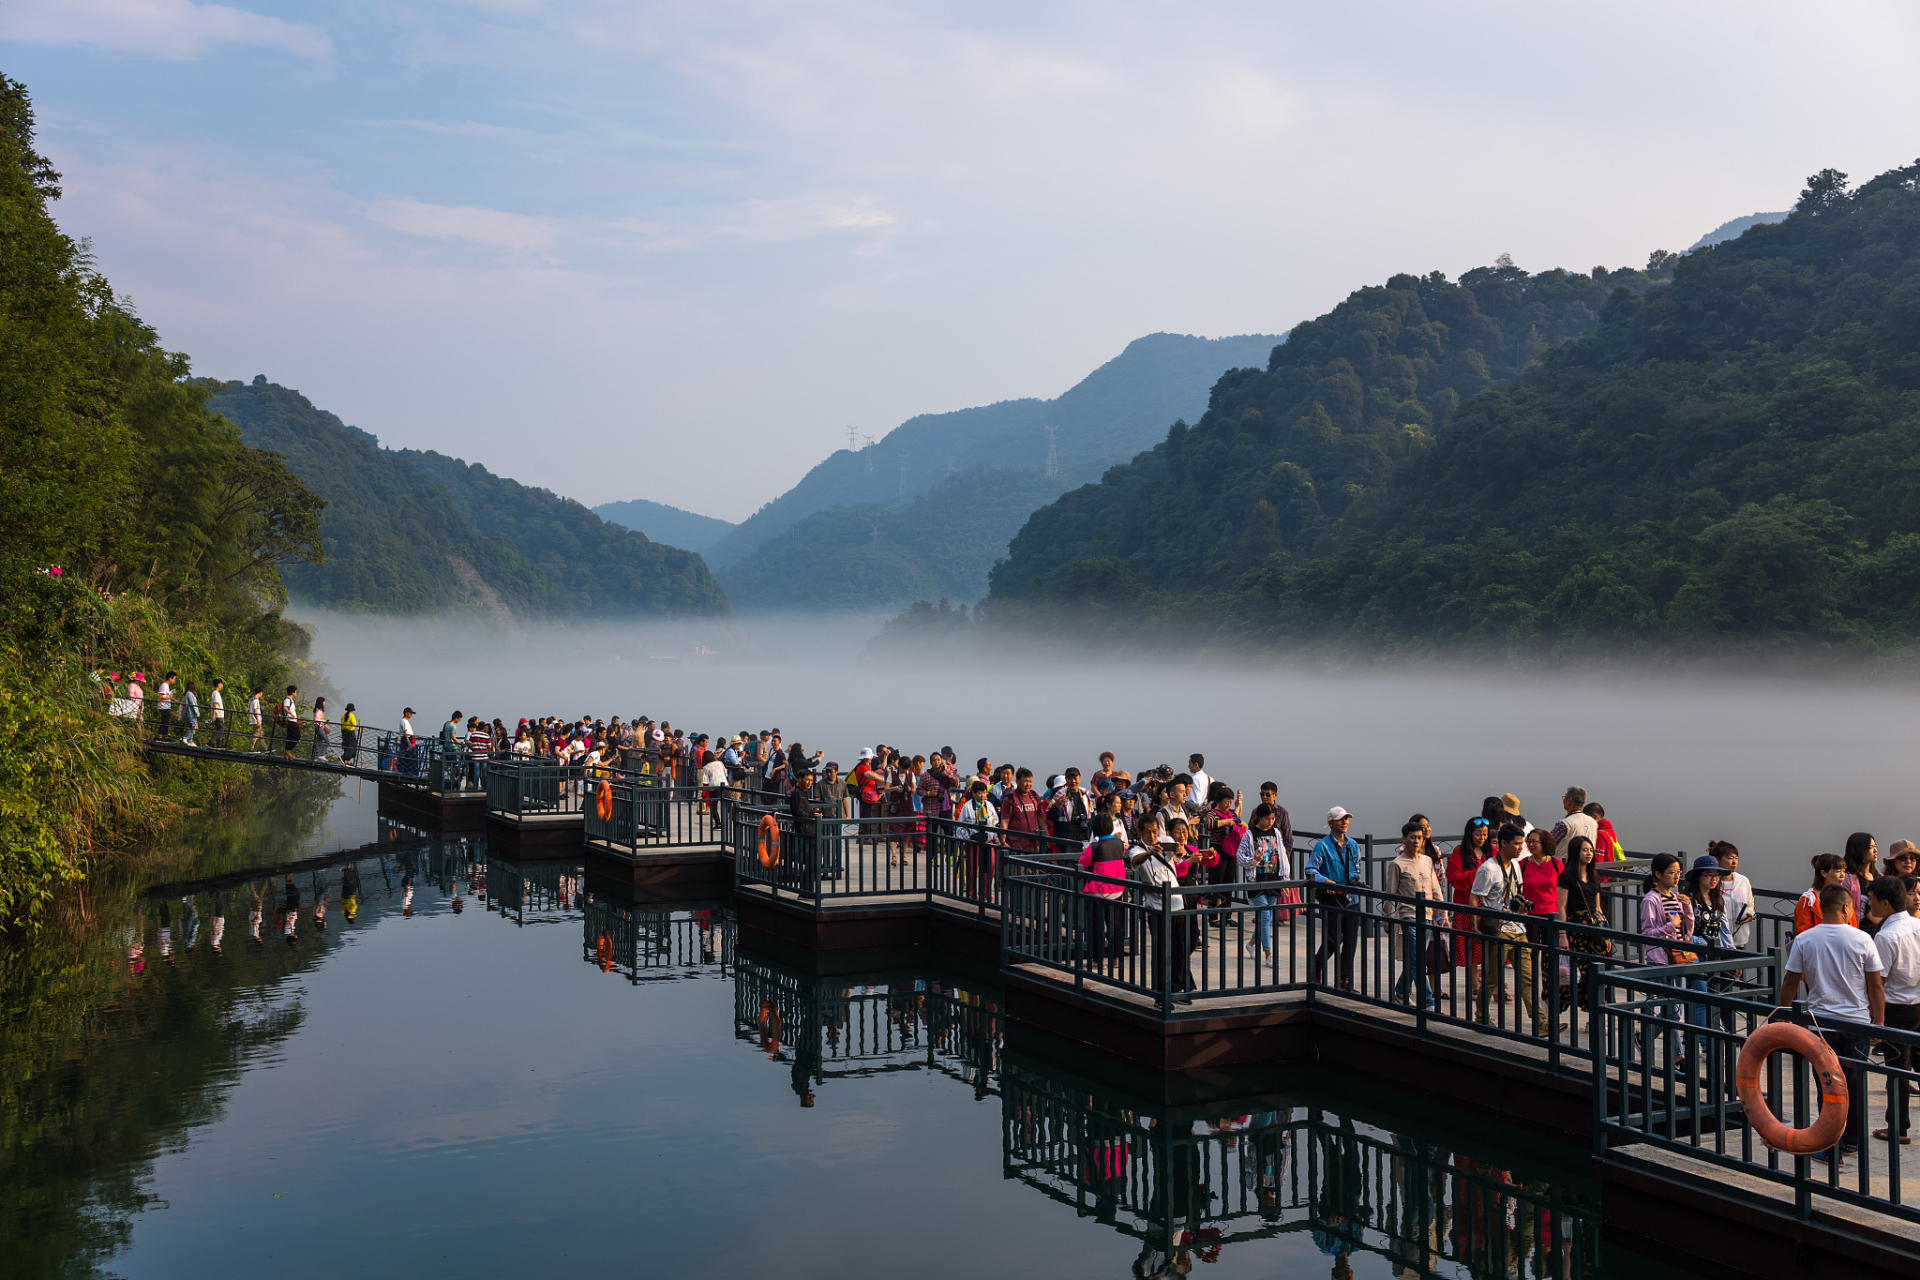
{"points": [[1333, 865]]}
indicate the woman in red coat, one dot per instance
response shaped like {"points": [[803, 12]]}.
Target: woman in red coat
{"points": [[1462, 865]]}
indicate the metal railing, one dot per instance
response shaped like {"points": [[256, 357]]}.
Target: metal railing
{"points": [[1426, 958], [518, 790], [646, 812], [904, 857], [533, 893], [1666, 1080]]}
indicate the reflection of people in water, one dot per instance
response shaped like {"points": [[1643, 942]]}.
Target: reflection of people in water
{"points": [[193, 921], [219, 920], [253, 916], [166, 933], [1339, 1209], [350, 890], [320, 898], [459, 903], [1264, 1172]]}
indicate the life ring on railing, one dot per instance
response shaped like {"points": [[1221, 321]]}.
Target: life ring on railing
{"points": [[606, 801], [605, 948], [1787, 1037], [769, 841]]}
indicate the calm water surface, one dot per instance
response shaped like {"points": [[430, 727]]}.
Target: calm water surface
{"points": [[423, 1061]]}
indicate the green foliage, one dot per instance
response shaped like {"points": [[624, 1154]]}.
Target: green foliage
{"points": [[598, 569], [1728, 459], [923, 629], [136, 531], [882, 555], [663, 523]]}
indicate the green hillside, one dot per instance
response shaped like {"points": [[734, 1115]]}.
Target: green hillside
{"points": [[1727, 459], [1104, 418], [882, 555], [414, 533], [599, 569], [663, 523]]}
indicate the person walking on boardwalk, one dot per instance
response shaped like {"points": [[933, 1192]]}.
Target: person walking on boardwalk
{"points": [[320, 740], [350, 737], [1411, 875], [1497, 885], [290, 720], [189, 714], [1846, 981], [217, 709], [1263, 857], [1897, 940], [256, 721], [165, 704], [1334, 867]]}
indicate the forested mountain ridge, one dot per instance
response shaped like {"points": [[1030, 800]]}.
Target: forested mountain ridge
{"points": [[1728, 458], [599, 568], [397, 522], [662, 523], [882, 555], [1104, 418], [1284, 452]]}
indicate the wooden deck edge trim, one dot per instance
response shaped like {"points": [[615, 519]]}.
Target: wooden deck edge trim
{"points": [[1735, 1214]]}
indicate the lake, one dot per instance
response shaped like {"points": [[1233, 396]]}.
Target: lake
{"points": [[417, 1059]]}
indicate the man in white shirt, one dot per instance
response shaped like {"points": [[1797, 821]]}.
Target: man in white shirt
{"points": [[1897, 940], [1202, 780], [217, 701], [1844, 978]]}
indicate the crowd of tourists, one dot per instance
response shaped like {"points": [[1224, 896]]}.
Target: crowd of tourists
{"points": [[1193, 837]]}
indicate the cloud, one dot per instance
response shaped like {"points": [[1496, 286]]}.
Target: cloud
{"points": [[517, 232], [173, 29]]}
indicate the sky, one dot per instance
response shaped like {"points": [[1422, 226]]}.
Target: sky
{"points": [[672, 251]]}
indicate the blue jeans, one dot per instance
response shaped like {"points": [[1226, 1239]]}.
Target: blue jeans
{"points": [[1264, 919], [1410, 961]]}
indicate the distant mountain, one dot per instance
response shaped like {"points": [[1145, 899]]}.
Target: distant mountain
{"points": [[1728, 230], [667, 524], [884, 555], [414, 533], [1120, 408]]}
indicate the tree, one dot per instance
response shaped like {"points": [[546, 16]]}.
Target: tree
{"points": [[1825, 191]]}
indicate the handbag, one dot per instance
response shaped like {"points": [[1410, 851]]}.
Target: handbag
{"points": [[1493, 926], [1585, 943]]}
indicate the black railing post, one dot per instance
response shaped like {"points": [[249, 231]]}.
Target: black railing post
{"points": [[1553, 994], [1310, 907], [1599, 994], [1166, 954], [1418, 961]]}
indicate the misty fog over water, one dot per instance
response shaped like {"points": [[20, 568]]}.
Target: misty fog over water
{"points": [[1784, 767]]}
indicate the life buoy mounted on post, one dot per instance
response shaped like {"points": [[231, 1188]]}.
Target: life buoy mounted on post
{"points": [[769, 841], [606, 801], [1787, 1037], [604, 948]]}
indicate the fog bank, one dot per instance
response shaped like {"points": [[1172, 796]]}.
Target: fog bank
{"points": [[1783, 766]]}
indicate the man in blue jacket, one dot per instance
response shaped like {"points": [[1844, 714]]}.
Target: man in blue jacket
{"points": [[1333, 865]]}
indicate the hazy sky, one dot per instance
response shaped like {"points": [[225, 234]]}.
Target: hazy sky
{"points": [[671, 250]]}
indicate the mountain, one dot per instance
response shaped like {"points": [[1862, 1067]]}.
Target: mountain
{"points": [[666, 524], [415, 533], [882, 555], [1723, 458], [1117, 409], [1728, 230]]}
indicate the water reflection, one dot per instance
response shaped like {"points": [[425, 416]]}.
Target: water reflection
{"points": [[654, 941], [1189, 1181], [531, 892], [866, 1024]]}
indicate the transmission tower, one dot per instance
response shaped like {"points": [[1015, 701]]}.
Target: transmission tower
{"points": [[1053, 451]]}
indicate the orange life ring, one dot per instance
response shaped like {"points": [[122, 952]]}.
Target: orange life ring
{"points": [[1787, 1037], [605, 948], [769, 841], [606, 801]]}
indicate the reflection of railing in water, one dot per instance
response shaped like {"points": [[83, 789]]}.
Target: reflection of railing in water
{"points": [[1180, 1184], [838, 1028], [532, 893], [658, 942]]}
